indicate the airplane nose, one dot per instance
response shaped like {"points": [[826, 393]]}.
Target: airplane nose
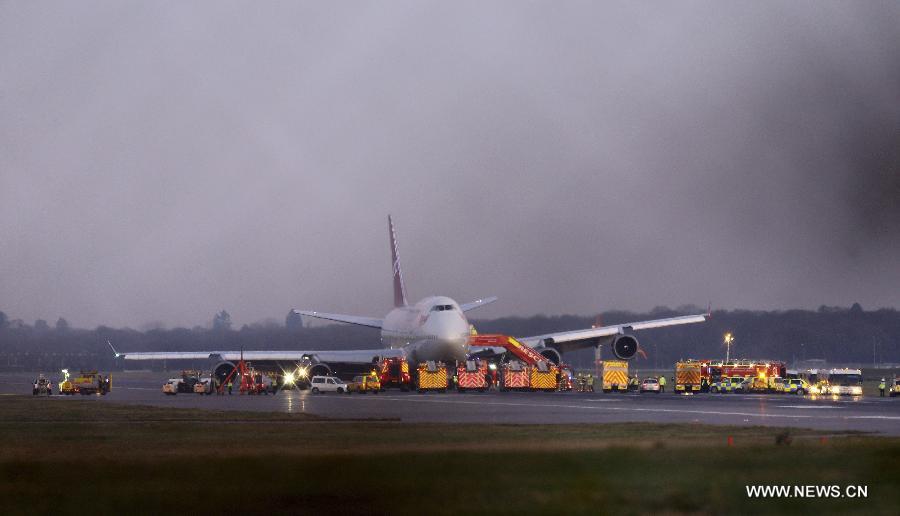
{"points": [[455, 342]]}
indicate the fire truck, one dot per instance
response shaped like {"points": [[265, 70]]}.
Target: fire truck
{"points": [[688, 376], [394, 372], [544, 376], [714, 370], [528, 370], [615, 375], [431, 376], [514, 376], [472, 375]]}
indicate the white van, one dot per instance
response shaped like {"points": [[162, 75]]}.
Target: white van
{"points": [[327, 384]]}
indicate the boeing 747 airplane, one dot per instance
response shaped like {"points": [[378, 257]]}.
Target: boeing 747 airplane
{"points": [[434, 328]]}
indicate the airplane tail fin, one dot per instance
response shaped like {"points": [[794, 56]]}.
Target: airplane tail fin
{"points": [[399, 286]]}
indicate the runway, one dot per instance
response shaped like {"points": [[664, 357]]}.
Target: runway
{"points": [[868, 414]]}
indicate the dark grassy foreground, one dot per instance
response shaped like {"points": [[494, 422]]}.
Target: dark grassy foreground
{"points": [[65, 456]]}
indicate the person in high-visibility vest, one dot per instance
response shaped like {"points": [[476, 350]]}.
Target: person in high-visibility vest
{"points": [[662, 383], [229, 387], [881, 387]]}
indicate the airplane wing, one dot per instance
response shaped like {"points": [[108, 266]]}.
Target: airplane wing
{"points": [[577, 339], [355, 355], [465, 307], [352, 319]]}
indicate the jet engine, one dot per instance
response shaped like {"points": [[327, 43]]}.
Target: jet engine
{"points": [[550, 354], [320, 369], [625, 347], [222, 370]]}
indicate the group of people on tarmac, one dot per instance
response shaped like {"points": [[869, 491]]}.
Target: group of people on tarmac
{"points": [[272, 387], [584, 382]]}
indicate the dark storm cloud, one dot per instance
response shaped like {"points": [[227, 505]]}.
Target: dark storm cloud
{"points": [[161, 161]]}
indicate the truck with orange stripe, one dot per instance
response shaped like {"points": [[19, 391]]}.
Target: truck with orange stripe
{"points": [[687, 376], [614, 375], [472, 375]]}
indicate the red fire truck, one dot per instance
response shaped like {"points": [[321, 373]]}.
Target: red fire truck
{"points": [[713, 370], [394, 372], [472, 375]]}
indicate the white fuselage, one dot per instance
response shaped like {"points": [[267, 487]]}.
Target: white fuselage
{"points": [[435, 328]]}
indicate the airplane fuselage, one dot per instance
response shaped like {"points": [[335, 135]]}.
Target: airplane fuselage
{"points": [[435, 328]]}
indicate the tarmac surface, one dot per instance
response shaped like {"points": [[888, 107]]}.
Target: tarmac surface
{"points": [[867, 414]]}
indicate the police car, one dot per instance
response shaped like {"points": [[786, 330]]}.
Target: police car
{"points": [[796, 386], [724, 385]]}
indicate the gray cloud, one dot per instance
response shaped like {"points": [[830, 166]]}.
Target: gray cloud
{"points": [[160, 161]]}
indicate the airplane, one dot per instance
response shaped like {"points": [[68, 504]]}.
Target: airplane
{"points": [[434, 328]]}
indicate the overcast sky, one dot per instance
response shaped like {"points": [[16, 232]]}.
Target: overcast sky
{"points": [[160, 161]]}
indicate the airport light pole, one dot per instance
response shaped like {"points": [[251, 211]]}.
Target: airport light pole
{"points": [[729, 338]]}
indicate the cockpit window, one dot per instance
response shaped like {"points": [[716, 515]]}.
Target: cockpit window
{"points": [[441, 308]]}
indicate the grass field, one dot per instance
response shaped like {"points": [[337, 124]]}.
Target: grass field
{"points": [[66, 456]]}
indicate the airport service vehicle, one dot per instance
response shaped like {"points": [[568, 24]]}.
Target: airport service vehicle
{"points": [[91, 382], [172, 386], [203, 386], [895, 387], [845, 382], [363, 384], [650, 385], [184, 385], [320, 384], [472, 375], [434, 329], [728, 384], [66, 386], [42, 387], [431, 376], [614, 375], [687, 376]]}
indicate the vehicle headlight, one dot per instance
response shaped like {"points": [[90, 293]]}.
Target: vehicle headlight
{"points": [[856, 390], [289, 378], [835, 390]]}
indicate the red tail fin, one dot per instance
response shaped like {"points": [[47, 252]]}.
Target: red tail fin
{"points": [[399, 287]]}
